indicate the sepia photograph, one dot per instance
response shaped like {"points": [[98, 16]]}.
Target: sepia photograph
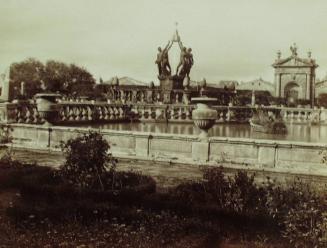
{"points": [[163, 124]]}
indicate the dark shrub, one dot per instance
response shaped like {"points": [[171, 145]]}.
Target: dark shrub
{"points": [[87, 159]]}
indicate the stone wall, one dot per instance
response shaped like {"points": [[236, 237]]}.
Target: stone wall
{"points": [[267, 155]]}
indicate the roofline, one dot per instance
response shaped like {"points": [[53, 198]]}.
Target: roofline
{"points": [[294, 66]]}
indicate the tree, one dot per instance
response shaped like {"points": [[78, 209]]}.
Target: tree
{"points": [[80, 80], [29, 71], [54, 76]]}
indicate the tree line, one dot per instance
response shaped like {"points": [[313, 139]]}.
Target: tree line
{"points": [[52, 76]]}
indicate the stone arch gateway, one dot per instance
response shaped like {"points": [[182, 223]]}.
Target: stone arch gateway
{"points": [[295, 77]]}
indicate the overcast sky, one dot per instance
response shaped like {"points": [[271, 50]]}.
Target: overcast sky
{"points": [[230, 39]]}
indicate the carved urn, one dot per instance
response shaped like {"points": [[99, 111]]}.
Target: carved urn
{"points": [[204, 117], [47, 107]]}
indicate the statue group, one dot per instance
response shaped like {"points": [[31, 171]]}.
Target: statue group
{"points": [[184, 66]]}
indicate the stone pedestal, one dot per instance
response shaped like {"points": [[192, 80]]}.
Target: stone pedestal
{"points": [[200, 151], [5, 85], [167, 85], [167, 97]]}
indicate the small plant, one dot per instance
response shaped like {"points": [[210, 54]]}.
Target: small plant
{"points": [[5, 134], [87, 161], [324, 156]]}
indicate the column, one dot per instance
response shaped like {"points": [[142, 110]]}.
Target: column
{"points": [[308, 96], [277, 82], [5, 92]]}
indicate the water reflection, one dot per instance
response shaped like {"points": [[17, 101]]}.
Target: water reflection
{"points": [[296, 132]]}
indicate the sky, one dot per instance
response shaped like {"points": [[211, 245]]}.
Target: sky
{"points": [[230, 39]]}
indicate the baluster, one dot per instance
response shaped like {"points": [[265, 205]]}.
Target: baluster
{"points": [[105, 113], [89, 113], [84, 113], [19, 115], [285, 115], [71, 114], [100, 114], [77, 114], [28, 115], [111, 113], [116, 113], [141, 113], [36, 116], [180, 113], [299, 116], [187, 114], [306, 116], [291, 115], [62, 113]]}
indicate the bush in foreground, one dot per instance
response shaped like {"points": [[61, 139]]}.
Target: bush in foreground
{"points": [[297, 211], [87, 161]]}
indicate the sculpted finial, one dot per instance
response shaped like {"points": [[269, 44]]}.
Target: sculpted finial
{"points": [[279, 54], [176, 37], [294, 50]]}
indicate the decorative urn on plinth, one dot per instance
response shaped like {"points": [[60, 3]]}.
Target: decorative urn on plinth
{"points": [[204, 117], [47, 107]]}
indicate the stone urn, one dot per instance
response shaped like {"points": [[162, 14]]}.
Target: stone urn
{"points": [[47, 107], [204, 117]]}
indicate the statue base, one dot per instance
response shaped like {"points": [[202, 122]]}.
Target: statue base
{"points": [[168, 84], [171, 82]]}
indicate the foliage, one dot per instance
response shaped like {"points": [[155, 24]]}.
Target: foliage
{"points": [[53, 76], [5, 134], [300, 213], [304, 223], [323, 156], [29, 71], [297, 210], [87, 160]]}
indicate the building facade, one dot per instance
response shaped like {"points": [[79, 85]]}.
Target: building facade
{"points": [[295, 77], [257, 85]]}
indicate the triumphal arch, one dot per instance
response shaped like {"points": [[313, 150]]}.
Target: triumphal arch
{"points": [[295, 77]]}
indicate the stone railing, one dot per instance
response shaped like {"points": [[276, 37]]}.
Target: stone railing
{"points": [[163, 112], [183, 113], [146, 96], [68, 112], [90, 111], [302, 115]]}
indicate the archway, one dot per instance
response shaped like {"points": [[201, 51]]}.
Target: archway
{"points": [[291, 93]]}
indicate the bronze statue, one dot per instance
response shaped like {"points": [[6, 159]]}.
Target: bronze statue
{"points": [[189, 62], [182, 58], [186, 61], [162, 61]]}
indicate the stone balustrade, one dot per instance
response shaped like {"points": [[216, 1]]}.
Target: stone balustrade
{"points": [[76, 111], [92, 112], [146, 96], [302, 115], [69, 112]]}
